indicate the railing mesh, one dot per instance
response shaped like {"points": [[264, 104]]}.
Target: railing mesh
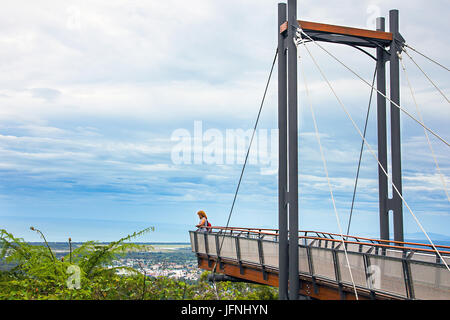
{"points": [[401, 272]]}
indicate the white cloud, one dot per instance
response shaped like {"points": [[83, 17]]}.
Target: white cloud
{"points": [[153, 167], [91, 90]]}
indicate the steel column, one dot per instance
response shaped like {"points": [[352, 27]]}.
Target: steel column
{"points": [[382, 137], [396, 203], [283, 258], [292, 151]]}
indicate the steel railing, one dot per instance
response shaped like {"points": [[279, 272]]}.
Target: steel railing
{"points": [[401, 269]]}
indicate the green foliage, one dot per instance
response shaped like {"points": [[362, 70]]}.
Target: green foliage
{"points": [[38, 275], [91, 257], [233, 290]]}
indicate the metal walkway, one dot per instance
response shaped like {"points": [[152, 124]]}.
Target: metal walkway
{"points": [[381, 269]]}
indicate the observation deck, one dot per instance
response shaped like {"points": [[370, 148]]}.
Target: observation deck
{"points": [[381, 269]]}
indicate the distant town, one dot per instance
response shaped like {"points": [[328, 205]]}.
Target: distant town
{"points": [[168, 260], [185, 271], [173, 260]]}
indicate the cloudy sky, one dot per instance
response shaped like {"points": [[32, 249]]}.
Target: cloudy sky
{"points": [[93, 92]]}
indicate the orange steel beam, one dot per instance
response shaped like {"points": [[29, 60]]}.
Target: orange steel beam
{"points": [[317, 289], [348, 31], [381, 240], [378, 244]]}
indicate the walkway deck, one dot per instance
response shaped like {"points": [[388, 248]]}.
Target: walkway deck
{"points": [[381, 269]]}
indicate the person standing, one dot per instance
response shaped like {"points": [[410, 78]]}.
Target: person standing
{"points": [[203, 224]]}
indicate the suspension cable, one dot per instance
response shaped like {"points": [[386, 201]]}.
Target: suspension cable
{"points": [[361, 152], [246, 158], [423, 55], [429, 79], [328, 178], [381, 93], [426, 133], [374, 155]]}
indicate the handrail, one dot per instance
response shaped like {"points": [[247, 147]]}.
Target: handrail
{"points": [[377, 245], [403, 248], [335, 234], [382, 240]]}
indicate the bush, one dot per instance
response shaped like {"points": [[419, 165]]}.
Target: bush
{"points": [[36, 274]]}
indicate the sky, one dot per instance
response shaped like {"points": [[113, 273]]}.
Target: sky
{"points": [[115, 115]]}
